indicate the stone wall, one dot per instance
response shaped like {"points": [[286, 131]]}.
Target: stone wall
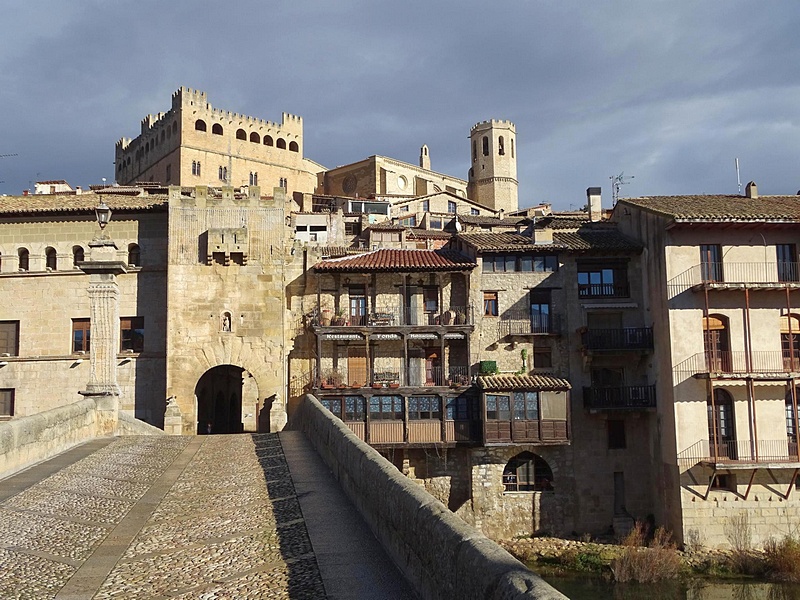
{"points": [[31, 439], [439, 554]]}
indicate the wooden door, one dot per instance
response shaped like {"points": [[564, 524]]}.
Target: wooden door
{"points": [[721, 428], [356, 366]]}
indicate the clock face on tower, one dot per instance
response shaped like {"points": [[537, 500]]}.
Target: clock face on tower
{"points": [[349, 184]]}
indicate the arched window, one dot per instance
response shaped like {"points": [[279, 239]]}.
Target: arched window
{"points": [[268, 140], [77, 255], [485, 146], [147, 148], [163, 135], [220, 173], [253, 178], [216, 129], [254, 137], [790, 342], [293, 147], [241, 134], [175, 128], [501, 147], [281, 143], [51, 259], [474, 150], [200, 125], [527, 472], [512, 147], [134, 255], [196, 167], [24, 259], [224, 173], [721, 428]]}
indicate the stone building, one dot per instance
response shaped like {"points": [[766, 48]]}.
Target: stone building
{"points": [[194, 143]]}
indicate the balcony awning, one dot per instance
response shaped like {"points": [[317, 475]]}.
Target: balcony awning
{"points": [[523, 382]]}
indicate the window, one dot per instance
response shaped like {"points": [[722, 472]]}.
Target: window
{"points": [[711, 262], [51, 259], [9, 338], [506, 263], [255, 138], [268, 140], [216, 129], [352, 228], [131, 334], [501, 147], [498, 408], [451, 206], [474, 151], [77, 255], [24, 259], [790, 342], [485, 142], [134, 255], [332, 404], [404, 209], [223, 173], [474, 212], [424, 407], [526, 406], [386, 408], [354, 408], [426, 205], [461, 408], [169, 172], [6, 403], [253, 178], [281, 143], [490, 304], [196, 167], [602, 280], [435, 222], [616, 434], [791, 422], [199, 125], [512, 147], [240, 134], [787, 262], [283, 183], [293, 147], [540, 311], [542, 358], [527, 472], [80, 335]]}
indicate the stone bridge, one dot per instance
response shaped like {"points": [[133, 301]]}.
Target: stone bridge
{"points": [[308, 513]]}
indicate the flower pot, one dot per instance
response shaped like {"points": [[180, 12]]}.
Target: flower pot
{"points": [[394, 385]]}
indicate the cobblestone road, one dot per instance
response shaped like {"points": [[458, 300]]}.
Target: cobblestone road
{"points": [[207, 517]]}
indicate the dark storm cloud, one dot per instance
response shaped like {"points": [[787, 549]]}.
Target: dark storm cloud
{"points": [[670, 92]]}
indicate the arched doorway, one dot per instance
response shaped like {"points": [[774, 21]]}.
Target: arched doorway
{"points": [[219, 400], [715, 342]]}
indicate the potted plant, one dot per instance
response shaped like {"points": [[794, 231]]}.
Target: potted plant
{"points": [[339, 319], [325, 319], [394, 384], [461, 317], [447, 317], [332, 379]]}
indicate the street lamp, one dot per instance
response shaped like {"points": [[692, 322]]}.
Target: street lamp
{"points": [[103, 214]]}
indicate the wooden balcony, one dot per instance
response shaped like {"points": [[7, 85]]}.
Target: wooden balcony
{"points": [[544, 431], [737, 276], [636, 339], [631, 397], [764, 365], [396, 377], [387, 316]]}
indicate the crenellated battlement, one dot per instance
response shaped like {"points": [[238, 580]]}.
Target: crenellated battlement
{"points": [[185, 96], [504, 123]]}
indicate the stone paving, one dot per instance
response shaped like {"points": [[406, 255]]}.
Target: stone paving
{"points": [[228, 525]]}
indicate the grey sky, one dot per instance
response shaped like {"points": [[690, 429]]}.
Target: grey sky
{"points": [[670, 92]]}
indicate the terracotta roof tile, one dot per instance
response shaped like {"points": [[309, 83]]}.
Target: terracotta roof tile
{"points": [[488, 242], [523, 382], [601, 239], [387, 259], [721, 208], [485, 220], [81, 203], [434, 234]]}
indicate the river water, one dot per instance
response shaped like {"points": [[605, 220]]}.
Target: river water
{"points": [[585, 587]]}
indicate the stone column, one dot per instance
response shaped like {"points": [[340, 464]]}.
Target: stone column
{"points": [[103, 268]]}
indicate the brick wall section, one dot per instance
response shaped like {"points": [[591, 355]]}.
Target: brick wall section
{"points": [[439, 554]]}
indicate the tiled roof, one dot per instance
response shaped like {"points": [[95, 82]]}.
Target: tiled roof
{"points": [[81, 203], [434, 234], [488, 242], [720, 208], [602, 239], [563, 221], [522, 382], [387, 259], [336, 251], [493, 221], [387, 226]]}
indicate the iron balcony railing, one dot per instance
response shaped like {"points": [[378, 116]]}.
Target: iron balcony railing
{"points": [[523, 323], [740, 451], [740, 363], [395, 376], [387, 315], [724, 274], [604, 290], [628, 338], [631, 397]]}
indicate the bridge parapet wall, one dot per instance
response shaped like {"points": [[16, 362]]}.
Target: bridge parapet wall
{"points": [[440, 555], [30, 439]]}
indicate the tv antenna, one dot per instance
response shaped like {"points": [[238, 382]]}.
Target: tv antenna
{"points": [[738, 178], [617, 181]]}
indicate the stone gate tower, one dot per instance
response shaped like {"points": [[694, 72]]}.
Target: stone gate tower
{"points": [[493, 175]]}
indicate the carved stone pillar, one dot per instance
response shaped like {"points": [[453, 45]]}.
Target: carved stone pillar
{"points": [[103, 268]]}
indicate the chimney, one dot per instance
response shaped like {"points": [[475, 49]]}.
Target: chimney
{"points": [[751, 190], [595, 203]]}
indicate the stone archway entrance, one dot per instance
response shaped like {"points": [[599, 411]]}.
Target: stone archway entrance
{"points": [[224, 400]]}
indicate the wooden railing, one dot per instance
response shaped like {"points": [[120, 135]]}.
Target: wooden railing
{"points": [[524, 323], [739, 363], [394, 315]]}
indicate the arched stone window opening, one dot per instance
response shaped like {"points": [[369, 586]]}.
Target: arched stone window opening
{"points": [[225, 174], [528, 472], [134, 255], [216, 129], [163, 136], [268, 140], [77, 255], [147, 148], [253, 178], [474, 150], [790, 342], [485, 146], [24, 259], [716, 343], [241, 134], [200, 125], [501, 146], [175, 128], [293, 147], [512, 147], [196, 167], [51, 259], [255, 138], [281, 143], [226, 323]]}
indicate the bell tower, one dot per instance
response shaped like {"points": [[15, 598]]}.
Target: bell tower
{"points": [[493, 174]]}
